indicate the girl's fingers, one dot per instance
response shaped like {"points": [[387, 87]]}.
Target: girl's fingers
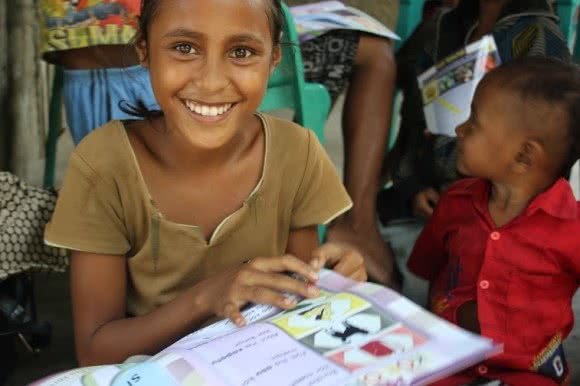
{"points": [[263, 295], [286, 263], [360, 275], [327, 253], [350, 263], [232, 312], [280, 283]]}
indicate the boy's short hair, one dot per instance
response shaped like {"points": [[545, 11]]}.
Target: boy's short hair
{"points": [[547, 80]]}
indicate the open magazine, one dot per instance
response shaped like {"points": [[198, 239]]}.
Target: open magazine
{"points": [[315, 19], [353, 334], [448, 87]]}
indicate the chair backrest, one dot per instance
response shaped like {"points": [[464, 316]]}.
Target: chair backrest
{"points": [[410, 14], [286, 85], [567, 11], [570, 27]]}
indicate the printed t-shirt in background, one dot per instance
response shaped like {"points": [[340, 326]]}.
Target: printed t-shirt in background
{"points": [[69, 24]]}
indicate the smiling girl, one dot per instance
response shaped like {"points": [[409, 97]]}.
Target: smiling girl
{"points": [[162, 214]]}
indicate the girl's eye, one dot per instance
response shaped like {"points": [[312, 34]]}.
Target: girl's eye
{"points": [[241, 53], [185, 48]]}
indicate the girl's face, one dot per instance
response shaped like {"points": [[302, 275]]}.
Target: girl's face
{"points": [[489, 141], [210, 61]]}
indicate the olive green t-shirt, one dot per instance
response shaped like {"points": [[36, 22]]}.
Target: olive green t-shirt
{"points": [[104, 207]]}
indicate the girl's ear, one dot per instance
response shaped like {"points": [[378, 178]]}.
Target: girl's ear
{"points": [[276, 57], [141, 48]]}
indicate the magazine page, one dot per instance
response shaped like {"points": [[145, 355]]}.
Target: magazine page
{"points": [[315, 19], [352, 334], [448, 87]]}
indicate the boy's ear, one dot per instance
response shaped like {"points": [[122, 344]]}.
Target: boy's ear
{"points": [[141, 48], [528, 156]]}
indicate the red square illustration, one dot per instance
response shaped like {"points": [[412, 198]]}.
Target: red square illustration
{"points": [[377, 349]]}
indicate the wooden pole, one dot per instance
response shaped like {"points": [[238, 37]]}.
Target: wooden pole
{"points": [[5, 139], [25, 98]]}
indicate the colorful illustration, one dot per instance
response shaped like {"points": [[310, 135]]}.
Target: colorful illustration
{"points": [[313, 315], [447, 87], [398, 373], [69, 24], [396, 339]]}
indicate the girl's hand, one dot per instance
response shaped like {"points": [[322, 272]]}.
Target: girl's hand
{"points": [[342, 258], [262, 280]]}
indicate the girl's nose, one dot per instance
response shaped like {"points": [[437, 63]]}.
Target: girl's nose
{"points": [[211, 77]]}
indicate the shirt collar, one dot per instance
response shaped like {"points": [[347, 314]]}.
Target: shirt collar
{"points": [[557, 201]]}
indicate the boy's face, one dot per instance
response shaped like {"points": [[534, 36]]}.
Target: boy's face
{"points": [[489, 141]]}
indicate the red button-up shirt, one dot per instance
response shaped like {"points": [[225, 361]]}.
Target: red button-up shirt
{"points": [[523, 274]]}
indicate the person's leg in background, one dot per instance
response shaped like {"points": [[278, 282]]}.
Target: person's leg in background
{"points": [[367, 63], [401, 235]]}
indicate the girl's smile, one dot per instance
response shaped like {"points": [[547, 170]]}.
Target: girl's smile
{"points": [[209, 112]]}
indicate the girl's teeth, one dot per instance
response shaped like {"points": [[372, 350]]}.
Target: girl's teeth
{"points": [[208, 111]]}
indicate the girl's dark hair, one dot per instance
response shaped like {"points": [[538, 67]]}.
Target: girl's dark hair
{"points": [[553, 81], [148, 10]]}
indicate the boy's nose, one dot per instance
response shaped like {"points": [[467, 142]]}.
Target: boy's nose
{"points": [[459, 130]]}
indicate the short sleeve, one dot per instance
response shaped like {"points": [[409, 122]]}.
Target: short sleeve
{"points": [[321, 196], [88, 213]]}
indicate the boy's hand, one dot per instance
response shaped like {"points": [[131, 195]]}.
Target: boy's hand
{"points": [[425, 202], [342, 258], [262, 280]]}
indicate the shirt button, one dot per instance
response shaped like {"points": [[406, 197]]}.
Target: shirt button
{"points": [[482, 369], [484, 284], [495, 236]]}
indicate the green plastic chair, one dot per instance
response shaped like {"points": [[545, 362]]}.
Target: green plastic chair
{"points": [[571, 29], [410, 14], [288, 89], [567, 11]]}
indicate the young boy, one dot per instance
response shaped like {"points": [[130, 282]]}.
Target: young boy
{"points": [[502, 249]]}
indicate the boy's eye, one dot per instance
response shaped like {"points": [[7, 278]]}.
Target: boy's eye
{"points": [[241, 53], [185, 48]]}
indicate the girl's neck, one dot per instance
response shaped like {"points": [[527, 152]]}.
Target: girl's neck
{"points": [[489, 13], [178, 154]]}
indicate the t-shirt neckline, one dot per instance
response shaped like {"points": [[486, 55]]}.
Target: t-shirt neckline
{"points": [[153, 206]]}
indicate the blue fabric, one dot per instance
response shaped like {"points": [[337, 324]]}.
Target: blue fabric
{"points": [[94, 97]]}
